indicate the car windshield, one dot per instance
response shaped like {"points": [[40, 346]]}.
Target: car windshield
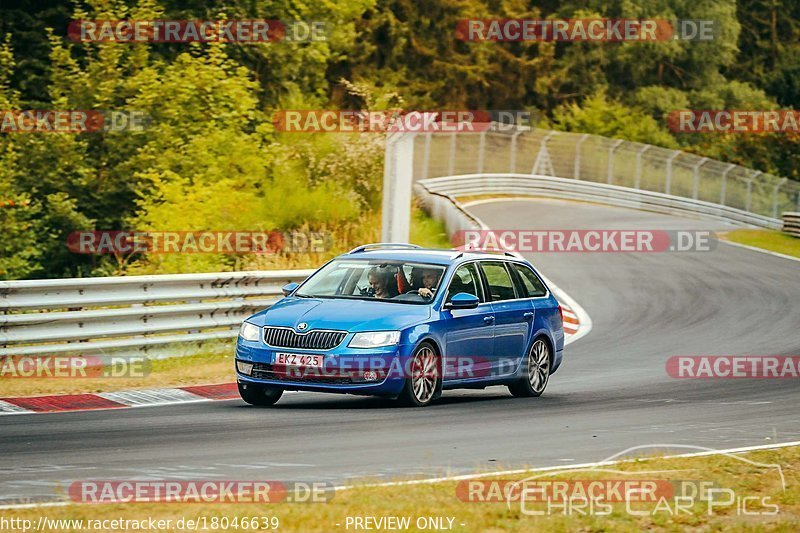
{"points": [[380, 280]]}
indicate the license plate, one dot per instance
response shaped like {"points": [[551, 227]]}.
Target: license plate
{"points": [[298, 359]]}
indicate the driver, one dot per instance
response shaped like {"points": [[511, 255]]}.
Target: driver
{"points": [[430, 278]]}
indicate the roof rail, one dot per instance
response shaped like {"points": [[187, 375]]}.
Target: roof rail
{"points": [[399, 245], [504, 252]]}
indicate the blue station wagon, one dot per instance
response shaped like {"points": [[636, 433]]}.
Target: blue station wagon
{"points": [[405, 322]]}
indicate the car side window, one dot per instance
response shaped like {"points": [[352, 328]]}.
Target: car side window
{"points": [[499, 280], [533, 285], [466, 280]]}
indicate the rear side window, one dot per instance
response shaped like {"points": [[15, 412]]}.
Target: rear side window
{"points": [[497, 277], [466, 280], [533, 285]]}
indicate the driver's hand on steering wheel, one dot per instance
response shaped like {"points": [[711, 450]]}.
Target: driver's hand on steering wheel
{"points": [[426, 293]]}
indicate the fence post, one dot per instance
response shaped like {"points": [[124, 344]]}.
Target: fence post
{"points": [[611, 159], [749, 199], [513, 163], [638, 180], [543, 157], [576, 173], [696, 169], [451, 159], [724, 183], [398, 177], [775, 198], [668, 183], [426, 156], [481, 150]]}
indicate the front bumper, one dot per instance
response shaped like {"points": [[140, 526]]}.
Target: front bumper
{"points": [[346, 370]]}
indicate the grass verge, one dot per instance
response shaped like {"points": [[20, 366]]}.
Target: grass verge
{"points": [[774, 241], [201, 369], [755, 489]]}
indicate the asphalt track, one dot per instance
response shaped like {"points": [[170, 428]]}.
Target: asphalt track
{"points": [[611, 393]]}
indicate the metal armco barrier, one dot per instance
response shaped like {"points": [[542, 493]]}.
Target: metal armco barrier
{"points": [[133, 314], [550, 187], [791, 224]]}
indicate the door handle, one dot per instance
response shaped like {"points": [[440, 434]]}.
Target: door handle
{"points": [[527, 316], [488, 319]]}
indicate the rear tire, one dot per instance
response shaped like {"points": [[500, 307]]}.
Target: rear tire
{"points": [[424, 383], [537, 371], [261, 395]]}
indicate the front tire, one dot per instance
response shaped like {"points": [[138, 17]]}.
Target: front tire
{"points": [[537, 371], [424, 383], [261, 395]]}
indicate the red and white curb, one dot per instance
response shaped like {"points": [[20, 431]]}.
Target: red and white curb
{"points": [[117, 400]]}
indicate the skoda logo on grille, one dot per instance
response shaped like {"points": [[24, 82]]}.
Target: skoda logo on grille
{"points": [[302, 326]]}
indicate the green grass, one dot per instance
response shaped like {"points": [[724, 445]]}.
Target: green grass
{"points": [[428, 232], [774, 241]]}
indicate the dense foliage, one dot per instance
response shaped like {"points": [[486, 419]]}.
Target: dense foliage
{"points": [[211, 160]]}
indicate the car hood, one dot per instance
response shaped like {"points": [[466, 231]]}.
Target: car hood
{"points": [[342, 314]]}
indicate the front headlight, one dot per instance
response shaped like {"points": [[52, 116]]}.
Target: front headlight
{"points": [[375, 339], [249, 332]]}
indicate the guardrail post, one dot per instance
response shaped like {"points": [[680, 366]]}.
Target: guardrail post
{"points": [[611, 159], [724, 183], [513, 163], [576, 173], [451, 158], [481, 150], [426, 156], [696, 169], [668, 183], [775, 198], [638, 179]]}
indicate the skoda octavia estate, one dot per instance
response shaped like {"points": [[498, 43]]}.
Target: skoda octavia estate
{"points": [[405, 322]]}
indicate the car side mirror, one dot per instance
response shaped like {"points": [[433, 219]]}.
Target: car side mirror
{"points": [[289, 288], [463, 300]]}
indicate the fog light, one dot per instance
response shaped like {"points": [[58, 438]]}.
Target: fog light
{"points": [[370, 375], [244, 368]]}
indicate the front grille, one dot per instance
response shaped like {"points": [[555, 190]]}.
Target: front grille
{"points": [[268, 371], [320, 339]]}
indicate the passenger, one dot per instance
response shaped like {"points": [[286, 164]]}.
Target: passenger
{"points": [[430, 278], [381, 282]]}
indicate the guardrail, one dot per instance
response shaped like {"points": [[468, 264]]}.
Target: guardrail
{"points": [[132, 314], [791, 224], [550, 187]]}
